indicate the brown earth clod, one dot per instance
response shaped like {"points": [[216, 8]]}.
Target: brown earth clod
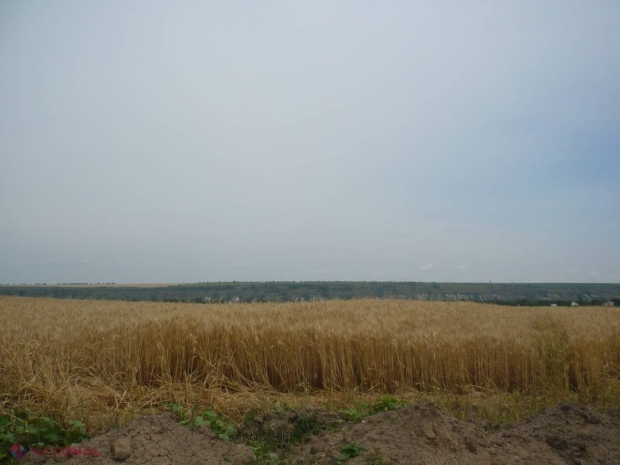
{"points": [[121, 449]]}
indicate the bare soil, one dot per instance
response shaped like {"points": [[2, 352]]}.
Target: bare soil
{"points": [[423, 435], [420, 434]]}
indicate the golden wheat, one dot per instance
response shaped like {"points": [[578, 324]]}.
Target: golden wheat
{"points": [[90, 358]]}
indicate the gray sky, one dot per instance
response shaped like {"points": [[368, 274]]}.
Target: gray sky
{"points": [[188, 141]]}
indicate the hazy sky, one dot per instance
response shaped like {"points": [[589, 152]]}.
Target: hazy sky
{"points": [[177, 141]]}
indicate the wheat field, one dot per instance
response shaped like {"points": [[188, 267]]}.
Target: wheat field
{"points": [[103, 361]]}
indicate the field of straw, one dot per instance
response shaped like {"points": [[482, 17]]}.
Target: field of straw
{"points": [[102, 361]]}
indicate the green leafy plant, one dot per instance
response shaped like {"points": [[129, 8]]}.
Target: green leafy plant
{"points": [[353, 414], [20, 427], [211, 419], [361, 409], [263, 456], [305, 425], [208, 418], [178, 410], [349, 451], [385, 403]]}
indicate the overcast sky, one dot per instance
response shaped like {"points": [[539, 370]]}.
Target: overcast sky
{"points": [[182, 141]]}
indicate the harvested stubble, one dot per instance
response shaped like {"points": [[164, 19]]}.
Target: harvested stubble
{"points": [[69, 356]]}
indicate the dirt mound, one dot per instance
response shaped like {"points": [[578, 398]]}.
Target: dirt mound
{"points": [[423, 434], [157, 440], [420, 434]]}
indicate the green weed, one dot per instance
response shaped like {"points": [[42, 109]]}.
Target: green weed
{"points": [[354, 414], [264, 456], [208, 418], [385, 403], [361, 410], [349, 451], [23, 428], [305, 425]]}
